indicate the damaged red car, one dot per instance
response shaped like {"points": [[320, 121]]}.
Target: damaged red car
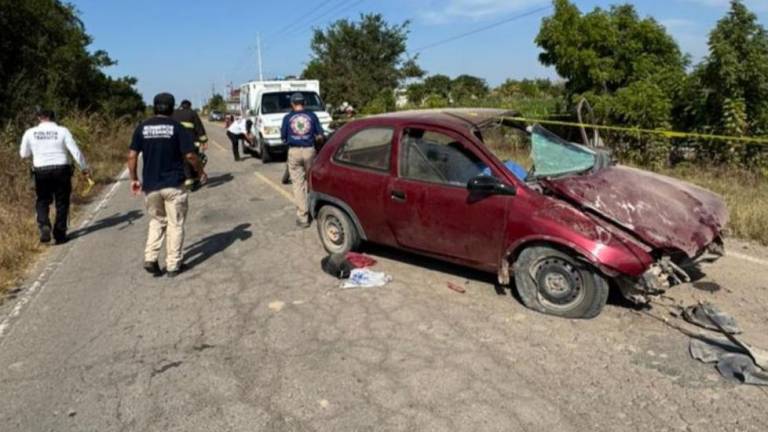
{"points": [[568, 223]]}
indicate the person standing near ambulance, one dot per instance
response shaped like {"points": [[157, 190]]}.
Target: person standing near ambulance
{"points": [[48, 145], [240, 129], [301, 131], [165, 146]]}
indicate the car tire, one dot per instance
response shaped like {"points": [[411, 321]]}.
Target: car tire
{"points": [[556, 283], [338, 233], [266, 155]]}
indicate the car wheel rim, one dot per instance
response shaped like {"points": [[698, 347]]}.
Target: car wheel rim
{"points": [[559, 283], [334, 231]]}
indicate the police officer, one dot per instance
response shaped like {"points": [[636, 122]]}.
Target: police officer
{"points": [[165, 146], [191, 122], [48, 144], [301, 131]]}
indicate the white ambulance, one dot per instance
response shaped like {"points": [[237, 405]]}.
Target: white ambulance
{"points": [[267, 102]]}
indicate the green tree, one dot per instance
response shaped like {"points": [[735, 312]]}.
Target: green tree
{"points": [[730, 87], [216, 103], [357, 61], [468, 87], [44, 60], [606, 50], [438, 85]]}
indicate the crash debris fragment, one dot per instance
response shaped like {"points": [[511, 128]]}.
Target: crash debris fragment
{"points": [[366, 278]]}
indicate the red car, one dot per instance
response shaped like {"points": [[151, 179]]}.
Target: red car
{"points": [[568, 229]]}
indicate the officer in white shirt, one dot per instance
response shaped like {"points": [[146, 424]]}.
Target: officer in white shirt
{"points": [[239, 130], [48, 144]]}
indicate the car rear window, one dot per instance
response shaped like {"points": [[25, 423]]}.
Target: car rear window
{"points": [[368, 148]]}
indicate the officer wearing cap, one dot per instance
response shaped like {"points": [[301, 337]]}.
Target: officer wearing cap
{"points": [[48, 145], [165, 145], [301, 130]]}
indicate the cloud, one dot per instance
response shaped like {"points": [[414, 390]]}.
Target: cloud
{"points": [[444, 11]]}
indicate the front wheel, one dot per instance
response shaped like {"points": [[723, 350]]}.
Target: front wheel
{"points": [[557, 283], [264, 153], [337, 231]]}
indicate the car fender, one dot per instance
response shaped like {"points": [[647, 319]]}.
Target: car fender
{"points": [[315, 198]]}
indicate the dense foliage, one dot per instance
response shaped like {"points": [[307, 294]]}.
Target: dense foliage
{"points": [[45, 61], [361, 62], [635, 75]]}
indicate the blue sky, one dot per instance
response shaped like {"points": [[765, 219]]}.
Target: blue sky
{"points": [[187, 47]]}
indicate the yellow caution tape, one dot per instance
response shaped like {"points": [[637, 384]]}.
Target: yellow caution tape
{"points": [[662, 132]]}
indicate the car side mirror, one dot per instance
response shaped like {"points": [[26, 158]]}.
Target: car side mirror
{"points": [[490, 185]]}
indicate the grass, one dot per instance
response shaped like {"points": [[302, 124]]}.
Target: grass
{"points": [[103, 141]]}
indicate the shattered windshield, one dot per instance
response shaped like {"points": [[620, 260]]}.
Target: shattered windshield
{"points": [[553, 156]]}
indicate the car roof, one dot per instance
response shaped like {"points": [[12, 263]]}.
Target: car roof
{"points": [[470, 118]]}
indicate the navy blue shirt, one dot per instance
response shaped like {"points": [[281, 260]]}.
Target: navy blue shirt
{"points": [[163, 142], [300, 128]]}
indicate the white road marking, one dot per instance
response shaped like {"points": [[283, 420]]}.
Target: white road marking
{"points": [[747, 258], [38, 286]]}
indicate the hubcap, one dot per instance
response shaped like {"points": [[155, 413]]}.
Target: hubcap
{"points": [[334, 231], [559, 282]]}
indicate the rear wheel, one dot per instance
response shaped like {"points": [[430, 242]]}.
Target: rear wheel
{"points": [[557, 283], [337, 231]]}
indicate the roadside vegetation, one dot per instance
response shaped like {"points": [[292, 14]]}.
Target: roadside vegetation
{"points": [[45, 61], [628, 67]]}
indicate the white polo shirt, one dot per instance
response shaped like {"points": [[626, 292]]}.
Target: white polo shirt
{"points": [[238, 127], [48, 144]]}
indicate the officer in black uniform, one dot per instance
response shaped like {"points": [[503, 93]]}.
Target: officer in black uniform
{"points": [[192, 124]]}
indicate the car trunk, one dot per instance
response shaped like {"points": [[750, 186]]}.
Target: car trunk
{"points": [[665, 213]]}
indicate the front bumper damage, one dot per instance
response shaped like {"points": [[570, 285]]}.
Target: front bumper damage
{"points": [[664, 274]]}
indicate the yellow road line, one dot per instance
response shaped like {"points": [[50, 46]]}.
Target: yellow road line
{"points": [[216, 143], [276, 187]]}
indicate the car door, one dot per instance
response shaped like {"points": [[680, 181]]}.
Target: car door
{"points": [[360, 176], [430, 208]]}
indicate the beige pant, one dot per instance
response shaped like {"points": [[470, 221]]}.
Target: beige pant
{"points": [[299, 162], [167, 209]]}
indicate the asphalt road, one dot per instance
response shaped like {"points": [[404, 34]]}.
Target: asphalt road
{"points": [[256, 337]]}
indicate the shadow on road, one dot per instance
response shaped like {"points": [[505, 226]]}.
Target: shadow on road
{"points": [[199, 252], [108, 222], [219, 180]]}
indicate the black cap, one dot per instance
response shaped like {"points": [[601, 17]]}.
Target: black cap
{"points": [[164, 103], [186, 104], [297, 98]]}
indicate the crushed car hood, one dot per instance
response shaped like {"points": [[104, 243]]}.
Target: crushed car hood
{"points": [[664, 212]]}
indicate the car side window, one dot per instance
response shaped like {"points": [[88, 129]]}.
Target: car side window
{"points": [[437, 158], [368, 148]]}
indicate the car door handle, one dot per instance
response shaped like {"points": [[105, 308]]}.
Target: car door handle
{"points": [[398, 195]]}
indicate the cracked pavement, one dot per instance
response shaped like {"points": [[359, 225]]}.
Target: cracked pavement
{"points": [[255, 337]]}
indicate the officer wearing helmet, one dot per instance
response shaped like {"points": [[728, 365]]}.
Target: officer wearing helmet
{"points": [[192, 124], [165, 146]]}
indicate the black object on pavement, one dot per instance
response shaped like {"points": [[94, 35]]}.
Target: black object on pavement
{"points": [[337, 266]]}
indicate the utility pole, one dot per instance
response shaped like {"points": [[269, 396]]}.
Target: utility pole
{"points": [[258, 49]]}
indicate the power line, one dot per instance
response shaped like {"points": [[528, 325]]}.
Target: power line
{"points": [[481, 29], [301, 22], [301, 18]]}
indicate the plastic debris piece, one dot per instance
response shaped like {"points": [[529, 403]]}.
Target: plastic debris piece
{"points": [[458, 288], [704, 314], [740, 368], [366, 278], [358, 260]]}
